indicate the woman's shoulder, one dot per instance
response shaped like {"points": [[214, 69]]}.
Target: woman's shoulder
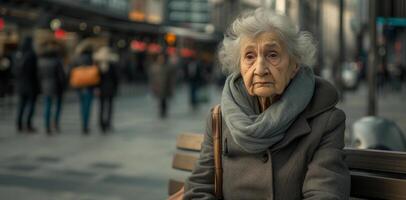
{"points": [[325, 98]]}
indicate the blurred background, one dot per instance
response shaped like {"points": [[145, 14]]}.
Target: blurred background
{"points": [[112, 136]]}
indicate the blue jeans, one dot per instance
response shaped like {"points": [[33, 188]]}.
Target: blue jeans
{"points": [[86, 98], [48, 101]]}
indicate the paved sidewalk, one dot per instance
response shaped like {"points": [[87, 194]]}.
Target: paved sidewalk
{"points": [[134, 162], [390, 105]]}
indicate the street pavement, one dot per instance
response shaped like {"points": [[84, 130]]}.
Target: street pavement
{"points": [[133, 161]]}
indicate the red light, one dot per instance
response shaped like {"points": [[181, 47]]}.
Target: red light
{"points": [[171, 50], [154, 48], [185, 52], [138, 46], [59, 34], [2, 24]]}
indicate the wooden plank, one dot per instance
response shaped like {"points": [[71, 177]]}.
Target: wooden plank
{"points": [[372, 186], [376, 160], [174, 186], [184, 161], [189, 141]]}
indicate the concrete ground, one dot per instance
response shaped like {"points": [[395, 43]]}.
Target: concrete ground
{"points": [[133, 162]]}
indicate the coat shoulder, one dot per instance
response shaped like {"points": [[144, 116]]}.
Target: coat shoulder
{"points": [[325, 97]]}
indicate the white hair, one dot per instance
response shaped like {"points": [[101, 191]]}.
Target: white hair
{"points": [[300, 44]]}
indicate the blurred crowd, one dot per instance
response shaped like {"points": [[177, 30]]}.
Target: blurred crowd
{"points": [[38, 72]]}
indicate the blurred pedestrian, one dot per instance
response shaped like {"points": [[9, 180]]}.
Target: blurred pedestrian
{"points": [[25, 66], [162, 80], [84, 76], [106, 60], [53, 82], [195, 72], [5, 75]]}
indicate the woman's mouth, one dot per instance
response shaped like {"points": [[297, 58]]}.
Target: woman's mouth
{"points": [[263, 83]]}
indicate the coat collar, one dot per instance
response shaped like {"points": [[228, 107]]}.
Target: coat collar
{"points": [[324, 98]]}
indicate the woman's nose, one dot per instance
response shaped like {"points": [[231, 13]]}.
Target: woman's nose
{"points": [[261, 68]]}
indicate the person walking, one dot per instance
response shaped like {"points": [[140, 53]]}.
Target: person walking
{"points": [[105, 59], [27, 85], [195, 71], [52, 78], [84, 77], [162, 79]]}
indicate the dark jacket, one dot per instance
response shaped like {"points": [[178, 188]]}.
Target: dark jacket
{"points": [[306, 164], [162, 79], [109, 81], [25, 68], [51, 75]]}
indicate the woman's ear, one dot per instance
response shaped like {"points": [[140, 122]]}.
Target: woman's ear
{"points": [[296, 68]]}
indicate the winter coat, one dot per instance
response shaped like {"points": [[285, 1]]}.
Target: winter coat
{"points": [[306, 164], [25, 68], [108, 81], [162, 79], [51, 75]]}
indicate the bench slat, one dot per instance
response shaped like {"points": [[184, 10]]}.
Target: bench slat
{"points": [[184, 161], [189, 141], [373, 186], [385, 161], [174, 186]]}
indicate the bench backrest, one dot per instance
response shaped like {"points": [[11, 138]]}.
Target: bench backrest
{"points": [[374, 174]]}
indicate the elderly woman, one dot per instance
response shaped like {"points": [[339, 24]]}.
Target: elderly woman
{"points": [[283, 137]]}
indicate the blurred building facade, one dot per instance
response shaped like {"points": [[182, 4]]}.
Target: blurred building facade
{"points": [[339, 26]]}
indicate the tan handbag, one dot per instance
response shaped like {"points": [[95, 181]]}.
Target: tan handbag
{"points": [[84, 76], [218, 175]]}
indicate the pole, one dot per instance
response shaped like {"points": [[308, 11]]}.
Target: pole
{"points": [[372, 60], [341, 56], [319, 33]]}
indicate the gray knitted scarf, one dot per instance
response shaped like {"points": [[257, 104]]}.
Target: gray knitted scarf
{"points": [[254, 131]]}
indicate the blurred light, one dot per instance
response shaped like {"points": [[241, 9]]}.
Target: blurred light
{"points": [[82, 26], [170, 38], [171, 51], [281, 5], [121, 43], [187, 53], [154, 48], [55, 24], [209, 28], [59, 34], [96, 29], [137, 16], [138, 46], [2, 24]]}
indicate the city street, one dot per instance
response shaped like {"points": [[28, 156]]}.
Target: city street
{"points": [[134, 161]]}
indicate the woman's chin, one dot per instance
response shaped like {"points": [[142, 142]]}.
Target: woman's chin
{"points": [[263, 92]]}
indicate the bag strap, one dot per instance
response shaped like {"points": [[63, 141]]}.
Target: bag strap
{"points": [[217, 140]]}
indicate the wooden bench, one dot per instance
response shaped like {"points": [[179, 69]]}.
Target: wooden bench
{"points": [[374, 174]]}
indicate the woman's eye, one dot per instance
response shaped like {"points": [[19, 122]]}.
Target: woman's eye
{"points": [[273, 57], [250, 56]]}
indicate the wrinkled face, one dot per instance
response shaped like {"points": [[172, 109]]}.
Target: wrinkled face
{"points": [[265, 65]]}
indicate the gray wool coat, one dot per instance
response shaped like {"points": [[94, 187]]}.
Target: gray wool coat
{"points": [[306, 164]]}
